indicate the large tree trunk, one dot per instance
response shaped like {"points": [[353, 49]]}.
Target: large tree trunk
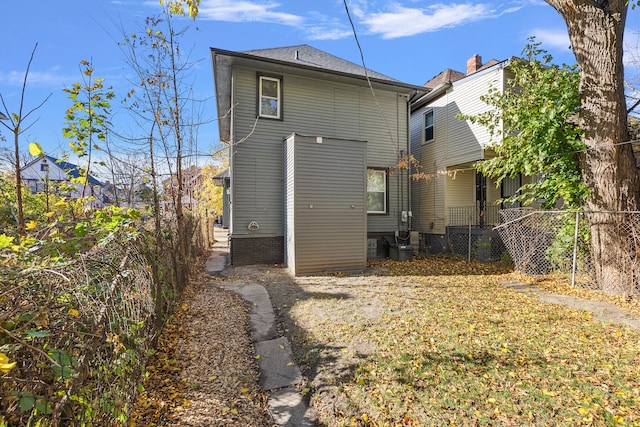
{"points": [[608, 167]]}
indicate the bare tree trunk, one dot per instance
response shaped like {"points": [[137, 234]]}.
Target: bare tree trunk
{"points": [[176, 111], [608, 166], [17, 128], [21, 226]]}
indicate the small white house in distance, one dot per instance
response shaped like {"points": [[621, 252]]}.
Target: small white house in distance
{"points": [[47, 174]]}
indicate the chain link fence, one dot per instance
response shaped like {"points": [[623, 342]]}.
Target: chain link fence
{"points": [[560, 242], [475, 243], [470, 234], [81, 332]]}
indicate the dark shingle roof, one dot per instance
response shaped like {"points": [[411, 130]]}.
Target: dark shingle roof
{"points": [[306, 55], [446, 76], [450, 76], [72, 170]]}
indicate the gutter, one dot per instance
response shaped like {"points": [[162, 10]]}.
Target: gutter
{"points": [[363, 77], [437, 92]]}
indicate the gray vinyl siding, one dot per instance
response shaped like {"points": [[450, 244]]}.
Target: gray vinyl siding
{"points": [[326, 219], [289, 192], [309, 107]]}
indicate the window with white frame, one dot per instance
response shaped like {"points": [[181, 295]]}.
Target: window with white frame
{"points": [[376, 191], [270, 97], [428, 126]]}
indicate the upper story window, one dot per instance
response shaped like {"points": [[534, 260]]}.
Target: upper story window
{"points": [[270, 97], [428, 126], [376, 191], [44, 167]]}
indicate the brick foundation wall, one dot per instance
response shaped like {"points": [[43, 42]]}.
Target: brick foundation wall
{"points": [[257, 250]]}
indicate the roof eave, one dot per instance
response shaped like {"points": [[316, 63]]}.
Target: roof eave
{"points": [[436, 93], [404, 87], [222, 88]]}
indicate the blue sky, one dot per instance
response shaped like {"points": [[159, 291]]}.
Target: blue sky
{"points": [[410, 40]]}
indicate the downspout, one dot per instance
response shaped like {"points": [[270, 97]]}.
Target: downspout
{"points": [[231, 161], [399, 184], [408, 119]]}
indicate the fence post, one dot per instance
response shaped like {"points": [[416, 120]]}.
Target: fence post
{"points": [[575, 251], [469, 251]]}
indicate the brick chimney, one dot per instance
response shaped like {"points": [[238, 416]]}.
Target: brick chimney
{"points": [[474, 63]]}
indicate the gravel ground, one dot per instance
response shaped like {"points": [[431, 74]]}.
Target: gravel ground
{"points": [[205, 372]]}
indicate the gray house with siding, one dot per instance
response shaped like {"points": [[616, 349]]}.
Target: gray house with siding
{"points": [[314, 141]]}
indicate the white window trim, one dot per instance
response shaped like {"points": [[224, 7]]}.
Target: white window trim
{"points": [[424, 126], [385, 208], [278, 98]]}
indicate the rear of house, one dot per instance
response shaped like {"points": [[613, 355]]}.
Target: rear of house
{"points": [[452, 194], [313, 150]]}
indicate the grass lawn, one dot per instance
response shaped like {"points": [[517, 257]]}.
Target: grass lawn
{"points": [[437, 341]]}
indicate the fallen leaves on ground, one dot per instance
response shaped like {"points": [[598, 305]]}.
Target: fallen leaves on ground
{"points": [[203, 373], [441, 341]]}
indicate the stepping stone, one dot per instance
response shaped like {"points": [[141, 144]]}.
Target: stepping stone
{"points": [[261, 315], [276, 367], [289, 409], [216, 262]]}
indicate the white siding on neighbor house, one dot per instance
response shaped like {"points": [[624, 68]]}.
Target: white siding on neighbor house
{"points": [[38, 180], [456, 146], [34, 172], [466, 140], [461, 191], [326, 215], [309, 107], [428, 192]]}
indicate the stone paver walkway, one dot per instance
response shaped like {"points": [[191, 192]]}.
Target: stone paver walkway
{"points": [[279, 376]]}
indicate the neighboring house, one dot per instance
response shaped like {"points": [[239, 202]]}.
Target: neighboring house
{"points": [[46, 174], [453, 194], [312, 156], [191, 185], [222, 180], [131, 195]]}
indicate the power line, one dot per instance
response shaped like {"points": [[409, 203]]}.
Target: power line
{"points": [[366, 74]]}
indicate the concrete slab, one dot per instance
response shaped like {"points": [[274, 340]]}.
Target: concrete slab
{"points": [[216, 262], [604, 311], [276, 367], [261, 315], [289, 409]]}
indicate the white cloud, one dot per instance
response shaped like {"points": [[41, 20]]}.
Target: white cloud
{"points": [[632, 49], [400, 21], [551, 38], [320, 26], [246, 11], [316, 26], [327, 33], [37, 78]]}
